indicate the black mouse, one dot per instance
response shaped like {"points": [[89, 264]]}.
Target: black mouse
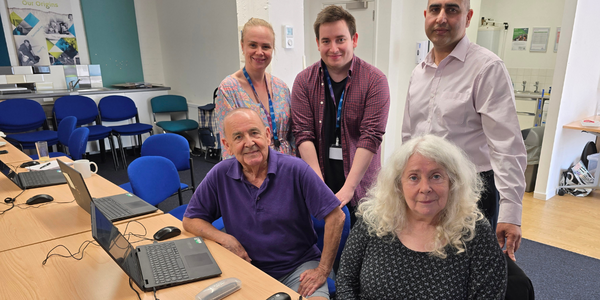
{"points": [[280, 296], [167, 233], [37, 199], [29, 164]]}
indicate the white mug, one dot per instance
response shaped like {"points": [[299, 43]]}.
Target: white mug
{"points": [[83, 166]]}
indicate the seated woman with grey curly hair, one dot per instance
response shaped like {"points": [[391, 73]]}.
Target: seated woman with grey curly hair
{"points": [[420, 234]]}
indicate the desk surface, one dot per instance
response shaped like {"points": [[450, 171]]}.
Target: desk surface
{"points": [[577, 125], [14, 155], [97, 276], [29, 225]]}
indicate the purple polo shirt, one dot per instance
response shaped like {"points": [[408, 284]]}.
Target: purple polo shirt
{"points": [[272, 222]]}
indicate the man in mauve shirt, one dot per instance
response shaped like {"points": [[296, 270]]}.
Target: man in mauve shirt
{"points": [[339, 110], [266, 199], [463, 92]]}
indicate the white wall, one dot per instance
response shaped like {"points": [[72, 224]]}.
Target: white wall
{"points": [[197, 41], [575, 96], [525, 14], [84, 56]]}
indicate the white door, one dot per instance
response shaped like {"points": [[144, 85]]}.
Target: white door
{"points": [[365, 27]]}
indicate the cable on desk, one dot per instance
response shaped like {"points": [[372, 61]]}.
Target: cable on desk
{"points": [[142, 237], [10, 200], [72, 255], [136, 292], [27, 206]]}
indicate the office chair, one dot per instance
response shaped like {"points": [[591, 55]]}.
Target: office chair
{"points": [[65, 128], [21, 120], [319, 226], [154, 179], [78, 142], [86, 112], [120, 108], [172, 104], [180, 210], [175, 148]]}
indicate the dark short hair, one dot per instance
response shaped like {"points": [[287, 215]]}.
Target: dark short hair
{"points": [[334, 13]]}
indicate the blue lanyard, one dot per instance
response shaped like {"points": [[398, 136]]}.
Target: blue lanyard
{"points": [[339, 109], [270, 116]]}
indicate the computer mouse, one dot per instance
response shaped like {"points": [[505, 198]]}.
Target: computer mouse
{"points": [[29, 164], [280, 296], [167, 233], [37, 199]]}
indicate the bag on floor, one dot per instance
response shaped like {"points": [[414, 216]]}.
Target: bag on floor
{"points": [[576, 175]]}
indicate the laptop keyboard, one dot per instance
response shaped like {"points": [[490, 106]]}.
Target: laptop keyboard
{"points": [[111, 208], [34, 179], [166, 263]]}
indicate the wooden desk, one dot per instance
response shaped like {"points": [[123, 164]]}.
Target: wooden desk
{"points": [[14, 155], [97, 276], [22, 227]]}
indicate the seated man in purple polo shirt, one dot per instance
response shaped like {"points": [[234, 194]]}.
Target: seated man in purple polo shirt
{"points": [[266, 199]]}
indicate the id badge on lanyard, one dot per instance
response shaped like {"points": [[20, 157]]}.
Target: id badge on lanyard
{"points": [[335, 150]]}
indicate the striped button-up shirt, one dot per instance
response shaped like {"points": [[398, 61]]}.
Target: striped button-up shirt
{"points": [[364, 115]]}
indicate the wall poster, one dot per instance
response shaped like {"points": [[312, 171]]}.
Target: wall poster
{"points": [[519, 40], [44, 32], [557, 39], [539, 39]]}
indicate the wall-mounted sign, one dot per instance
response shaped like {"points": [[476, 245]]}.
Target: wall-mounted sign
{"points": [[557, 39], [539, 39], [44, 32], [519, 40]]}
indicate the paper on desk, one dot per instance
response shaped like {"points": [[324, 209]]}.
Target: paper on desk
{"points": [[52, 166]]}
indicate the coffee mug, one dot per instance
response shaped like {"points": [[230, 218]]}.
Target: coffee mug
{"points": [[42, 150], [83, 166]]}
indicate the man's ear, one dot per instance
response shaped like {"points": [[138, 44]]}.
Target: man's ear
{"points": [[224, 142], [469, 16], [355, 40]]}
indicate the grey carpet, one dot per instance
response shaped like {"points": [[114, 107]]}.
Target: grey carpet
{"points": [[559, 274]]}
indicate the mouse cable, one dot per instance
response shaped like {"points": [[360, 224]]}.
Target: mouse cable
{"points": [[136, 292], [142, 237], [11, 201], [155, 294], [27, 206], [83, 245]]}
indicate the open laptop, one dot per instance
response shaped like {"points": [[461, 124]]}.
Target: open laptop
{"points": [[30, 180], [157, 265], [117, 207]]}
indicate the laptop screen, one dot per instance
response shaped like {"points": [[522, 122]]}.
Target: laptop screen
{"points": [[116, 245], [77, 186]]}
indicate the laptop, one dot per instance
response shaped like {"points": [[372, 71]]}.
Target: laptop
{"points": [[30, 180], [157, 265], [117, 207]]}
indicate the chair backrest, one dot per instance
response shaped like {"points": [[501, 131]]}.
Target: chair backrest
{"points": [[117, 108], [319, 226], [20, 115], [65, 128], [168, 103], [81, 107], [78, 142], [153, 178], [170, 145]]}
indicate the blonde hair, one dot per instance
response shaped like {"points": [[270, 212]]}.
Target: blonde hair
{"points": [[253, 22], [384, 208]]}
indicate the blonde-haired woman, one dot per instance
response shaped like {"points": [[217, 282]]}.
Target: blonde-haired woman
{"points": [[254, 88], [420, 234]]}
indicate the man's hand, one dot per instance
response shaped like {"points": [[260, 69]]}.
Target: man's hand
{"points": [[233, 245], [311, 280], [345, 194], [510, 233]]}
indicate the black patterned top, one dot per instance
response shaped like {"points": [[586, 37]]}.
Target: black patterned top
{"points": [[383, 268]]}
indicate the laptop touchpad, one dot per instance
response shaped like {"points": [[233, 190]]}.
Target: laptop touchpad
{"points": [[136, 204], [197, 260]]}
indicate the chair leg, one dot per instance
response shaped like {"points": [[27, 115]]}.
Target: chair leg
{"points": [[180, 197], [192, 175], [102, 150], [122, 151], [112, 149]]}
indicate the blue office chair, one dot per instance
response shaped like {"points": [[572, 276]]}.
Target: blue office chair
{"points": [[319, 226], [65, 128], [175, 148], [86, 112], [21, 120], [78, 142], [154, 179], [172, 104], [180, 210], [120, 108]]}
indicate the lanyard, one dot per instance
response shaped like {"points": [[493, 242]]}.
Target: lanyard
{"points": [[270, 116], [339, 109]]}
